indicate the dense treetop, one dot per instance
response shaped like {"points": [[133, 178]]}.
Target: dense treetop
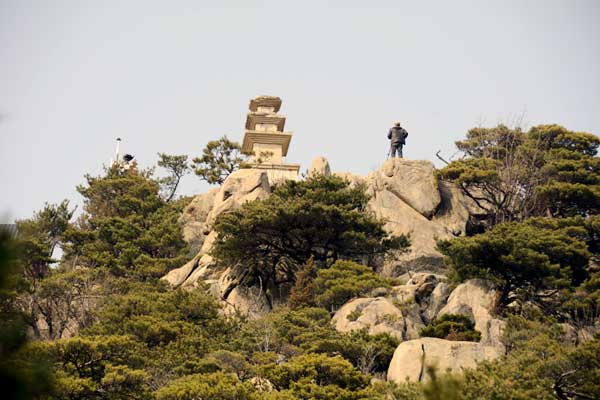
{"points": [[513, 175]]}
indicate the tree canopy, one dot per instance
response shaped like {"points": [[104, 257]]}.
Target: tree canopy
{"points": [[540, 260], [513, 175], [177, 167], [126, 226], [219, 159], [322, 218]]}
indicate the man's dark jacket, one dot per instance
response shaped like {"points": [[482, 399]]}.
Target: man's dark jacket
{"points": [[397, 135]]}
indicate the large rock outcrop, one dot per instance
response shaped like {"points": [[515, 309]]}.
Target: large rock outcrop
{"points": [[408, 196], [319, 166], [194, 218], [241, 186], [401, 219], [377, 315], [405, 193], [412, 181], [477, 300], [411, 358], [401, 311]]}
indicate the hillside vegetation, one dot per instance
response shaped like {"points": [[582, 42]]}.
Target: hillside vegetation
{"points": [[100, 323]]}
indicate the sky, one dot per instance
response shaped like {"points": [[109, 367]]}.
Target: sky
{"points": [[169, 76]]}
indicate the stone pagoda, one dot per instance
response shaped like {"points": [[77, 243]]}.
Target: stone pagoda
{"points": [[266, 142]]}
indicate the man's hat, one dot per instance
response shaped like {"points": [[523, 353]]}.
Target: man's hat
{"points": [[397, 123]]}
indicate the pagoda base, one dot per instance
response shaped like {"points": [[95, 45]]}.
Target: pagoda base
{"points": [[278, 173]]}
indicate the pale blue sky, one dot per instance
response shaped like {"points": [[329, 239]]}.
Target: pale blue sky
{"points": [[169, 76]]}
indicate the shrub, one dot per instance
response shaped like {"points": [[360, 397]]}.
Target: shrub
{"points": [[452, 327], [216, 386], [344, 280]]}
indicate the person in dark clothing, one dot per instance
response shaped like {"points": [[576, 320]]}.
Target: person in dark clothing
{"points": [[397, 136]]}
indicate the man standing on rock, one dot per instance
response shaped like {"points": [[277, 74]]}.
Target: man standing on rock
{"points": [[397, 136]]}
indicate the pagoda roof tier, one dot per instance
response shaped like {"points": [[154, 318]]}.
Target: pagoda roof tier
{"points": [[265, 101], [254, 118], [251, 137]]}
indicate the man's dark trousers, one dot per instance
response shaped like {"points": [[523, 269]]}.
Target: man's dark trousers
{"points": [[396, 147]]}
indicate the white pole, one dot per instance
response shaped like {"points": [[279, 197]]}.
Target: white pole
{"points": [[117, 152]]}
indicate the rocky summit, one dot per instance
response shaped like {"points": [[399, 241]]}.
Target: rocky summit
{"points": [[477, 280], [408, 196]]}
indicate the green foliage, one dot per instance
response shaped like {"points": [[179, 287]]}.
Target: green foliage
{"points": [[287, 332], [304, 373], [513, 175], [309, 330], [540, 365], [219, 159], [446, 387], [123, 383], [216, 386], [177, 167], [303, 291], [344, 280], [87, 357], [157, 316], [320, 218], [24, 372], [127, 227], [137, 338], [529, 261], [104, 367], [39, 236], [452, 327], [64, 299], [354, 315]]}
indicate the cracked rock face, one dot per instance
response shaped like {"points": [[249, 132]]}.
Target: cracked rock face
{"points": [[411, 358], [319, 166], [401, 312], [412, 181], [241, 186], [194, 218], [406, 309], [378, 314], [476, 299], [405, 193]]}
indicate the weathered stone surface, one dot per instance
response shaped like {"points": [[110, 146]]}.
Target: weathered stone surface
{"points": [[177, 276], [203, 271], [402, 219], [417, 288], [241, 186], [194, 218], [476, 299], [262, 384], [413, 181], [453, 212], [412, 357], [248, 301], [319, 166], [353, 179], [437, 301], [199, 268], [587, 333], [378, 314]]}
